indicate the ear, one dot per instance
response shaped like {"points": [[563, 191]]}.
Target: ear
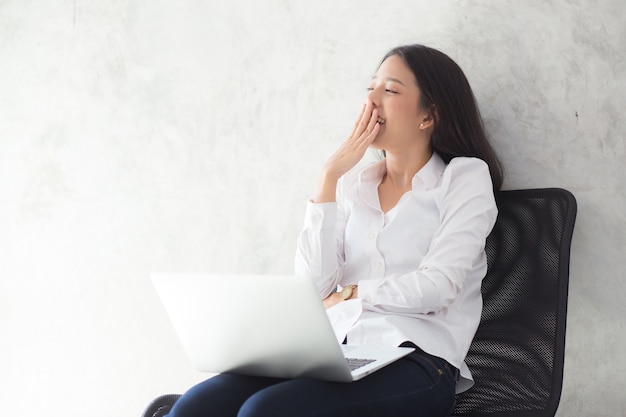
{"points": [[430, 119]]}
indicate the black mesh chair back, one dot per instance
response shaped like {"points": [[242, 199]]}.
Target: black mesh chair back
{"points": [[517, 355]]}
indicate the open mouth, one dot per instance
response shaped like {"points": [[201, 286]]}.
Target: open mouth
{"points": [[380, 120]]}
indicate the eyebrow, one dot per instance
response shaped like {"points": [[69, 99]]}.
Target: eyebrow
{"points": [[390, 79]]}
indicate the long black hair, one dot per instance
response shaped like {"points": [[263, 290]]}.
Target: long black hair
{"points": [[459, 129]]}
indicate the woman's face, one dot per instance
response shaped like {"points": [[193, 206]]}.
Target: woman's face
{"points": [[395, 94]]}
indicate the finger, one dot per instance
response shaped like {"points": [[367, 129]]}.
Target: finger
{"points": [[364, 119], [359, 117], [372, 123], [373, 120], [370, 138], [358, 120], [372, 131]]}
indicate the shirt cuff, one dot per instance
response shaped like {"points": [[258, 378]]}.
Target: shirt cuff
{"points": [[367, 290], [320, 216]]}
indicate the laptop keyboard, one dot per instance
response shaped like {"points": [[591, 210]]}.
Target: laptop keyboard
{"points": [[356, 363]]}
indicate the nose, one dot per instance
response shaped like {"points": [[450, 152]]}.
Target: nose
{"points": [[374, 96]]}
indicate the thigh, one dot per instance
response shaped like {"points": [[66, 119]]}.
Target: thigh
{"points": [[418, 385], [220, 396]]}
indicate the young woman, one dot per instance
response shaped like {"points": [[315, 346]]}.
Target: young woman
{"points": [[396, 250]]}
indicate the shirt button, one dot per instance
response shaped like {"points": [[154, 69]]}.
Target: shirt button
{"points": [[318, 216], [377, 265], [372, 236]]}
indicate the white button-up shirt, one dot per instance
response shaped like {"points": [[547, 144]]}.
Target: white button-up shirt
{"points": [[419, 267]]}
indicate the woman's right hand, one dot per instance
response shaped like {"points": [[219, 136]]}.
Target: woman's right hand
{"points": [[349, 153]]}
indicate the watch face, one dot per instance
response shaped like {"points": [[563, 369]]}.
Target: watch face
{"points": [[346, 293]]}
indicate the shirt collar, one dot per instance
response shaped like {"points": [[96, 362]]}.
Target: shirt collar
{"points": [[429, 176], [373, 172], [426, 178]]}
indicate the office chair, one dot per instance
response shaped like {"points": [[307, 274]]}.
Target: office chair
{"points": [[517, 355]]}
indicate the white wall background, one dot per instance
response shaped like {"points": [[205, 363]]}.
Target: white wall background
{"points": [[163, 135]]}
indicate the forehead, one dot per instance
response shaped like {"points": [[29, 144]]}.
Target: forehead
{"points": [[394, 67]]}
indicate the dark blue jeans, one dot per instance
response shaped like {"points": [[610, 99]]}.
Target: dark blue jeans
{"points": [[418, 385]]}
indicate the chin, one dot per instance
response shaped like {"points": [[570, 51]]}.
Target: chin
{"points": [[378, 143]]}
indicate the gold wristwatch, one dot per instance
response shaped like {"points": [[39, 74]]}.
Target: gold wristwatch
{"points": [[346, 292]]}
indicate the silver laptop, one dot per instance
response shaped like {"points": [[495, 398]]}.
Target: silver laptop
{"points": [[262, 325]]}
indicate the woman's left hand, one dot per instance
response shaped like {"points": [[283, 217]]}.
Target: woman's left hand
{"points": [[335, 298], [332, 300]]}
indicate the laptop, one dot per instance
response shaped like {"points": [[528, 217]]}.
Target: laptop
{"points": [[263, 325]]}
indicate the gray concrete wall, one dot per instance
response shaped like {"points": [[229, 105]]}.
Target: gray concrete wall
{"points": [[142, 136]]}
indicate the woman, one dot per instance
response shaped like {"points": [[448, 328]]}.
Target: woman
{"points": [[403, 240]]}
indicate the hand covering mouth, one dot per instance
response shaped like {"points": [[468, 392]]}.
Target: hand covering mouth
{"points": [[380, 120]]}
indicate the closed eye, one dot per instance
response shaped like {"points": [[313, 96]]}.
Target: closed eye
{"points": [[387, 90]]}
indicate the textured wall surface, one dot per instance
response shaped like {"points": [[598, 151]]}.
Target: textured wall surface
{"points": [[141, 136]]}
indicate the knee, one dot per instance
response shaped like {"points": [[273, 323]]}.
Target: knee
{"points": [[220, 394], [262, 404]]}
